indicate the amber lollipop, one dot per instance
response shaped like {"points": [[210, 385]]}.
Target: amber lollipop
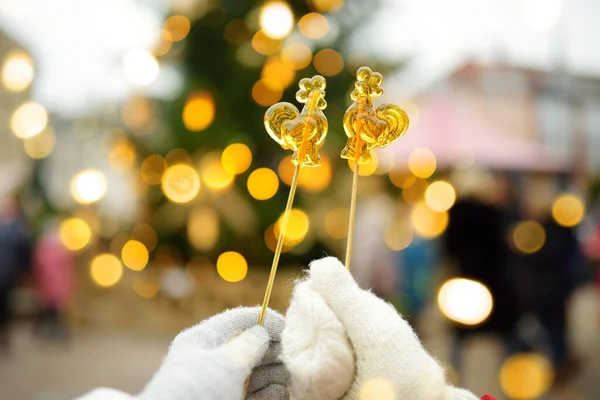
{"points": [[368, 128], [303, 133]]}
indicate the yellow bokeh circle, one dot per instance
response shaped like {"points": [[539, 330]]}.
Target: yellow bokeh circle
{"points": [[236, 158], [75, 233], [422, 162], [232, 266], [528, 236], [428, 223], [180, 183], [297, 227], [263, 183], [440, 196], [198, 111], [465, 301], [568, 210], [135, 255], [106, 270], [526, 376]]}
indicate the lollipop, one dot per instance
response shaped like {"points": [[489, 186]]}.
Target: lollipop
{"points": [[368, 128], [304, 133]]}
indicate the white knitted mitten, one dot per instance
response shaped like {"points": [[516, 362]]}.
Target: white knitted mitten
{"points": [[212, 360], [389, 360]]}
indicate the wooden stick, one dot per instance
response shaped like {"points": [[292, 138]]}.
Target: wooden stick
{"points": [[352, 215]]}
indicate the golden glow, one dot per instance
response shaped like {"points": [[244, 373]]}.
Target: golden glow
{"points": [[232, 266], [178, 26], [328, 62], [146, 234], [88, 186], [412, 110], [440, 196], [377, 389], [422, 162], [427, 223], [526, 376], [236, 32], [236, 158], [137, 113], [106, 270], [28, 120], [200, 269], [203, 228], [75, 233], [528, 236], [285, 170], [398, 235], [326, 6], [135, 255], [178, 156], [366, 169], [296, 55], [199, 111], [40, 145], [152, 169], [180, 183], [165, 42], [465, 301], [145, 285], [140, 67], [276, 69], [298, 225], [276, 19], [402, 179], [265, 45], [336, 223], [313, 26], [267, 91], [214, 176], [415, 190], [316, 179], [122, 155], [568, 210], [263, 183], [17, 71]]}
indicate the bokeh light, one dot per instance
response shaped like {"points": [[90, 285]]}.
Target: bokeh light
{"points": [[178, 26], [568, 210], [398, 235], [164, 43], [377, 389], [297, 228], [106, 270], [200, 269], [145, 285], [366, 169], [422, 162], [278, 70], [17, 71], [428, 223], [465, 301], [236, 32], [180, 183], [415, 190], [198, 111], [402, 179], [316, 179], [265, 45], [440, 196], [41, 145], [137, 114], [135, 255], [526, 376], [326, 6], [140, 67], [236, 158], [203, 228], [214, 175], [145, 234], [75, 233], [263, 183], [152, 169], [122, 155], [328, 62], [313, 25], [285, 169], [28, 120], [296, 55], [232, 266], [267, 91], [178, 156], [276, 19], [528, 236], [336, 223], [88, 186]]}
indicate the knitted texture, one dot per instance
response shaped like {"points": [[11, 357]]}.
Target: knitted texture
{"points": [[390, 361]]}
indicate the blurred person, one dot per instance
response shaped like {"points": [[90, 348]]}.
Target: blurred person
{"points": [[53, 269], [475, 245], [15, 260], [337, 342]]}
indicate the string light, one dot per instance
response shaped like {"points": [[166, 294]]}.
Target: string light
{"points": [[276, 19], [88, 186], [17, 71], [28, 120], [232, 266], [180, 183], [465, 301]]}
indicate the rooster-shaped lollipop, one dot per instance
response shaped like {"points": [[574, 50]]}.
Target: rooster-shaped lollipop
{"points": [[366, 129]]}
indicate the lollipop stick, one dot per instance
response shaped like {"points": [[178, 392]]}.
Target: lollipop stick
{"points": [[284, 223], [352, 215]]}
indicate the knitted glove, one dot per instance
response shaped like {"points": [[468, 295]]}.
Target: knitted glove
{"points": [[212, 360], [380, 359]]}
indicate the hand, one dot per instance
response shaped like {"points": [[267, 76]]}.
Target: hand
{"points": [[390, 361], [213, 360]]}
